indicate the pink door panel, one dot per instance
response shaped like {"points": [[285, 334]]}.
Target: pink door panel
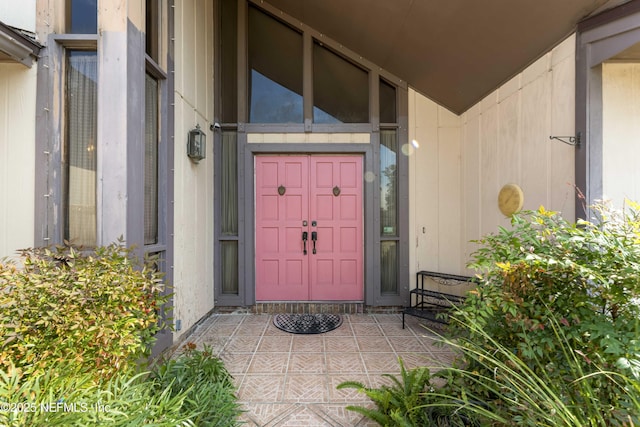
{"points": [[336, 268], [335, 271], [282, 270]]}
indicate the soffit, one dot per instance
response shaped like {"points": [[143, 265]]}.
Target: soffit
{"points": [[452, 51]]}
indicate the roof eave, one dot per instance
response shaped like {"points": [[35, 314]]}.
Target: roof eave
{"points": [[18, 47]]}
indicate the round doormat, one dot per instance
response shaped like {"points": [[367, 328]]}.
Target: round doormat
{"points": [[307, 323]]}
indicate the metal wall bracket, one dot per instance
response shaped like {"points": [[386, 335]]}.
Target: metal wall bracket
{"points": [[569, 140]]}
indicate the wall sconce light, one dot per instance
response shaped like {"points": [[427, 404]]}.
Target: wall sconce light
{"points": [[197, 144]]}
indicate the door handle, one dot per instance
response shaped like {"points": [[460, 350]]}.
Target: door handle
{"points": [[304, 242], [314, 238]]}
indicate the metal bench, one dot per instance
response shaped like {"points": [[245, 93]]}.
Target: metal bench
{"points": [[433, 305]]}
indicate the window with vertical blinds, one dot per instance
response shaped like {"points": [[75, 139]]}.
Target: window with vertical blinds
{"points": [[389, 233], [151, 161], [80, 151], [229, 214]]}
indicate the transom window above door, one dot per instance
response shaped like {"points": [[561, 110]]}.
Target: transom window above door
{"points": [[338, 89]]}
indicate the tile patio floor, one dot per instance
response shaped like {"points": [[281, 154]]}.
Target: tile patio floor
{"points": [[290, 380]]}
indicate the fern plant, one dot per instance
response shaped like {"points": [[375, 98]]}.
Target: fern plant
{"points": [[408, 401]]}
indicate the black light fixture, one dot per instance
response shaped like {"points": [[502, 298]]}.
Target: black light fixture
{"points": [[197, 144]]}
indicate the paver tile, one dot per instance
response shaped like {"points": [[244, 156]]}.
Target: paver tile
{"points": [[306, 388], [344, 362], [307, 363], [340, 344], [308, 344], [381, 362], [303, 416], [242, 344], [406, 344], [262, 414], [269, 363], [366, 329], [274, 343], [374, 343], [261, 388]]}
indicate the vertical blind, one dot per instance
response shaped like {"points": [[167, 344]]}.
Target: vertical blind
{"points": [[151, 162], [80, 148]]}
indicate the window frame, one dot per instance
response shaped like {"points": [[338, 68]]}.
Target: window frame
{"points": [[154, 68]]}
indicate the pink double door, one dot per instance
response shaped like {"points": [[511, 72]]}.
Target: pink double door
{"points": [[309, 242]]}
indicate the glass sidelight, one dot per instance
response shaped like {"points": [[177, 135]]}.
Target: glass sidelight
{"points": [[389, 235], [229, 214]]}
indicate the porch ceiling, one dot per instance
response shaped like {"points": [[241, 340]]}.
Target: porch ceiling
{"points": [[452, 51]]}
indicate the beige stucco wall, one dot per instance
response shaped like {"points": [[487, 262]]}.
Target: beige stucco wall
{"points": [[193, 209], [621, 132], [17, 151], [463, 161]]}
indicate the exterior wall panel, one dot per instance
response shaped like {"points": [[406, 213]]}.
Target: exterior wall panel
{"points": [[434, 187], [621, 132], [509, 133], [561, 156], [535, 142], [423, 166], [489, 167], [449, 177], [17, 151], [464, 161], [194, 229]]}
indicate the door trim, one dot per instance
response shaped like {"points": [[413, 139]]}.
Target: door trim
{"points": [[371, 202]]}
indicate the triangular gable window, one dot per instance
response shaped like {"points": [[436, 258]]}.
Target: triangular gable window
{"points": [[340, 88]]}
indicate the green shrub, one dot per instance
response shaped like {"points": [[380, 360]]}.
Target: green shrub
{"points": [[94, 310], [493, 386], [563, 299], [206, 384], [526, 395], [550, 337], [193, 390], [65, 396]]}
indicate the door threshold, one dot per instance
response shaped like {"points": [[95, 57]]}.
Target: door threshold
{"points": [[308, 307]]}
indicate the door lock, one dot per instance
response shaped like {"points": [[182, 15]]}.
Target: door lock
{"points": [[314, 238], [304, 242]]}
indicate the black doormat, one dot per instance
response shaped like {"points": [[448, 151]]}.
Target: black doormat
{"points": [[307, 323]]}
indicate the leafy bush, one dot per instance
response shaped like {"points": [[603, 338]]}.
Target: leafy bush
{"points": [[519, 394], [549, 338], [95, 310], [75, 329], [193, 390], [66, 396], [563, 299], [500, 388], [206, 384]]}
